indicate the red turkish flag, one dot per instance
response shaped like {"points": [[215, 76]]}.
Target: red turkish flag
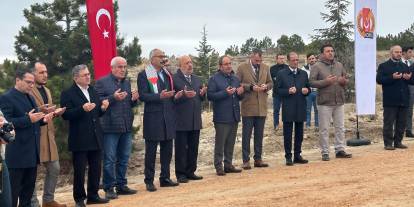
{"points": [[101, 23]]}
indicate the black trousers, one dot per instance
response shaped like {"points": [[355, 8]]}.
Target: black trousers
{"points": [[186, 152], [22, 182], [81, 159], [394, 125], [256, 124], [150, 156], [287, 137]]}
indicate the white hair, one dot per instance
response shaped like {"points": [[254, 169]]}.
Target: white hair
{"points": [[114, 61]]}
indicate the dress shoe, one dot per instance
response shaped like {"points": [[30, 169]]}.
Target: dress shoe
{"points": [[167, 182], [246, 166], [299, 160], [53, 204], [325, 157], [182, 180], [80, 204], [289, 162], [150, 187], [260, 163], [220, 172], [409, 134], [110, 194], [232, 169], [194, 177], [125, 190], [400, 146], [389, 147], [343, 154], [97, 200]]}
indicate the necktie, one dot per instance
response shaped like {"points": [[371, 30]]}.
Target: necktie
{"points": [[188, 78], [161, 76], [406, 62]]}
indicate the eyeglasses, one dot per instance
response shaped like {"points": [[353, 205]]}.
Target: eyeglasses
{"points": [[29, 82], [160, 56], [85, 75], [121, 66]]}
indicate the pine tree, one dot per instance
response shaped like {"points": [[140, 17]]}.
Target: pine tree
{"points": [[207, 59]]}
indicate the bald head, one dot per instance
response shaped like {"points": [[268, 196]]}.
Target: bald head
{"points": [[396, 52], [186, 65]]}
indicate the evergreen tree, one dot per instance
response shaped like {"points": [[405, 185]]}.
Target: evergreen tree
{"points": [[233, 50], [207, 59]]}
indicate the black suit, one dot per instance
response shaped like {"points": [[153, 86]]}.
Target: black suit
{"points": [[188, 112], [22, 155], [293, 107], [159, 125], [85, 138]]}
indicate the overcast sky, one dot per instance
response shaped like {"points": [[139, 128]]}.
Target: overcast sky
{"points": [[175, 26]]}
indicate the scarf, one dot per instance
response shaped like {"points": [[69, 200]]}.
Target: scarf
{"points": [[152, 77]]}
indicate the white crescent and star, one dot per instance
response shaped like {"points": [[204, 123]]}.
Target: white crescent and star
{"points": [[98, 15]]}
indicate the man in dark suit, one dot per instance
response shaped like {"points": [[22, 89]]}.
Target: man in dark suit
{"points": [[293, 87], [274, 70], [83, 109], [22, 155], [156, 89], [225, 91], [188, 110], [394, 76], [117, 127]]}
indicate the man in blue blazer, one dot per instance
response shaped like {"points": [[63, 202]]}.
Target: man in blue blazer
{"points": [[22, 155]]}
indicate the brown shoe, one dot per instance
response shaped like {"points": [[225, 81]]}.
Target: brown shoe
{"points": [[220, 172], [53, 204], [260, 163], [246, 166], [231, 169]]}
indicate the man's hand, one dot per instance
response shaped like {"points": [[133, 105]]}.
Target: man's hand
{"points": [[292, 90], [240, 90], [230, 90], [46, 108], [331, 79], [257, 88], [397, 75], [407, 76], [119, 96], [179, 94], [165, 94], [48, 117], [134, 95], [59, 111], [305, 91], [342, 80], [35, 117], [264, 87], [189, 93], [104, 104], [203, 90], [88, 106]]}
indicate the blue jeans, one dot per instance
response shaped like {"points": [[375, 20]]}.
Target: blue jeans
{"points": [[5, 195], [117, 148], [311, 102], [277, 102]]}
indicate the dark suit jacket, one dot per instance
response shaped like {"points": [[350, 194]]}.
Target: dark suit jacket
{"points": [[226, 108], [85, 132], [293, 105], [159, 114], [24, 151], [188, 110], [274, 70], [118, 117], [395, 92]]}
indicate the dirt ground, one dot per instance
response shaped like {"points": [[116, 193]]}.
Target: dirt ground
{"points": [[373, 177]]}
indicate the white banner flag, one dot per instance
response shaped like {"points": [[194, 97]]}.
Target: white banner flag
{"points": [[365, 55]]}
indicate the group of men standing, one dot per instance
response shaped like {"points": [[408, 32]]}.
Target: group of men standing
{"points": [[100, 118]]}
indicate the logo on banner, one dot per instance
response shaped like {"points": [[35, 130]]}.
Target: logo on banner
{"points": [[366, 23]]}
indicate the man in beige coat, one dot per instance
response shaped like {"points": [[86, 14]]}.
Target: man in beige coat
{"points": [[256, 81], [48, 151]]}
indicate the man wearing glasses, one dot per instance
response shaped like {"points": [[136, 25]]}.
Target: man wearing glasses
{"points": [[156, 88], [22, 155], [117, 127]]}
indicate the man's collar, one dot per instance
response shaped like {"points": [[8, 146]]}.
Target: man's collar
{"points": [[82, 88]]}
